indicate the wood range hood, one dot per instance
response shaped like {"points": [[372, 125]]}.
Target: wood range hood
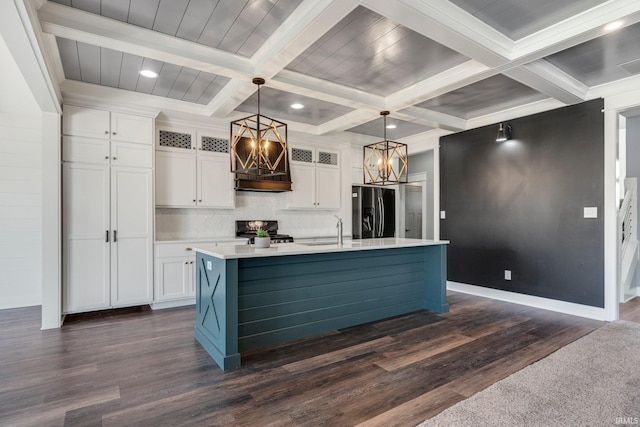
{"points": [[274, 184]]}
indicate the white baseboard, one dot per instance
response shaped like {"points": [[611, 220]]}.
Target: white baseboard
{"points": [[531, 301], [171, 304]]}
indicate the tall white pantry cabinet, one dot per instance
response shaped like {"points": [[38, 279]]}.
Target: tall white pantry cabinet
{"points": [[107, 209]]}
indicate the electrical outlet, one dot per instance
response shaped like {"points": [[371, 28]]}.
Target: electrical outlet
{"points": [[507, 275], [209, 265], [591, 212], [443, 215]]}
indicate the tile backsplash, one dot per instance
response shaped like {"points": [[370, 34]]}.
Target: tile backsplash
{"points": [[202, 223]]}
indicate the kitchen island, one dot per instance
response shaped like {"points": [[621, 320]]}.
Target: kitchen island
{"points": [[248, 298]]}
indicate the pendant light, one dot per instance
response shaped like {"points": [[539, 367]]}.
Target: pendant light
{"points": [[259, 144], [386, 162]]}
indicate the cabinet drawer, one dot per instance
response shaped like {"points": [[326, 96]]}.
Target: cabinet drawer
{"points": [[87, 150], [175, 249]]}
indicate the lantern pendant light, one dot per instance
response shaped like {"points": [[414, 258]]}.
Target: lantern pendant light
{"points": [[259, 144], [385, 162]]}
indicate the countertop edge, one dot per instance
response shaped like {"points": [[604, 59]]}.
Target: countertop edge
{"points": [[299, 249]]}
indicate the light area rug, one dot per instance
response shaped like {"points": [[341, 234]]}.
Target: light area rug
{"points": [[594, 381]]}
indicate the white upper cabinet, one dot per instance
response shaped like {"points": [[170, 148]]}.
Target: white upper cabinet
{"points": [[89, 122], [93, 123], [128, 128], [315, 177], [215, 181], [175, 179], [192, 169], [98, 151], [103, 137]]}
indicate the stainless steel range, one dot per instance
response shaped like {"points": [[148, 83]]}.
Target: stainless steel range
{"points": [[247, 229]]}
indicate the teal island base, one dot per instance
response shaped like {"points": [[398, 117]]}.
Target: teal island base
{"points": [[251, 302]]}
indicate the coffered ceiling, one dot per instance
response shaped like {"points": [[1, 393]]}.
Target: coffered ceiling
{"points": [[435, 64]]}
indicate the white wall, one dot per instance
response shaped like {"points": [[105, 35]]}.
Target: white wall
{"points": [[20, 211], [20, 189]]}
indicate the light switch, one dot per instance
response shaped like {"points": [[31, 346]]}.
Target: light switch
{"points": [[507, 275], [443, 215], [591, 212], [209, 266]]}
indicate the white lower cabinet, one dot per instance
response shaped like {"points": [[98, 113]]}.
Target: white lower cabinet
{"points": [[175, 277], [107, 226]]}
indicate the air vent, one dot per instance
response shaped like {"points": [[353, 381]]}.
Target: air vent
{"points": [[300, 155], [327, 158], [216, 145], [175, 139]]}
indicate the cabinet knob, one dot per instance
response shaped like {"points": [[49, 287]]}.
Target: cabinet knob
{"points": [[106, 157], [200, 200], [106, 132], [114, 133], [114, 158], [194, 200]]}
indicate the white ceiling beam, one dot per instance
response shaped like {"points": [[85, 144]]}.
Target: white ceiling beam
{"points": [[447, 81], [625, 87], [230, 96], [514, 113], [302, 84], [344, 122], [449, 25], [307, 23], [302, 28], [75, 24], [126, 98], [550, 80], [431, 118], [19, 30], [575, 30]]}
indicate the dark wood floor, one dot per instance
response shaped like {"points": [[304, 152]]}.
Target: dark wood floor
{"points": [[630, 310], [145, 368]]}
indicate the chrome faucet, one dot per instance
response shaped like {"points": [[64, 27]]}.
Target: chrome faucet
{"points": [[339, 227]]}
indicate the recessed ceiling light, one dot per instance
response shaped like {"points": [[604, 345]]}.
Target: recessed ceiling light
{"points": [[613, 25], [391, 126], [297, 106], [149, 73]]}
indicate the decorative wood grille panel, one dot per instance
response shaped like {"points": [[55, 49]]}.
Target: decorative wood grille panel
{"points": [[300, 155], [175, 139], [217, 145], [327, 158]]}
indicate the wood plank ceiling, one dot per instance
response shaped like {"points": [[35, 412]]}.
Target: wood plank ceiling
{"points": [[438, 65]]}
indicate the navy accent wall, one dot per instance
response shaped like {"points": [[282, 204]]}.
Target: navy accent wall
{"points": [[518, 205]]}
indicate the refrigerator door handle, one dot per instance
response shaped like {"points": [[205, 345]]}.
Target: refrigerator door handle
{"points": [[381, 216], [383, 222]]}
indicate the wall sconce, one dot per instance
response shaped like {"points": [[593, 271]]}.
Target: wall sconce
{"points": [[385, 162], [259, 144], [504, 133]]}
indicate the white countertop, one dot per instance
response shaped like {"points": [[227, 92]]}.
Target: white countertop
{"points": [[245, 251]]}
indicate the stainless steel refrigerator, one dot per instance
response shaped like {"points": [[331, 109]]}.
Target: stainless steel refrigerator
{"points": [[373, 212]]}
